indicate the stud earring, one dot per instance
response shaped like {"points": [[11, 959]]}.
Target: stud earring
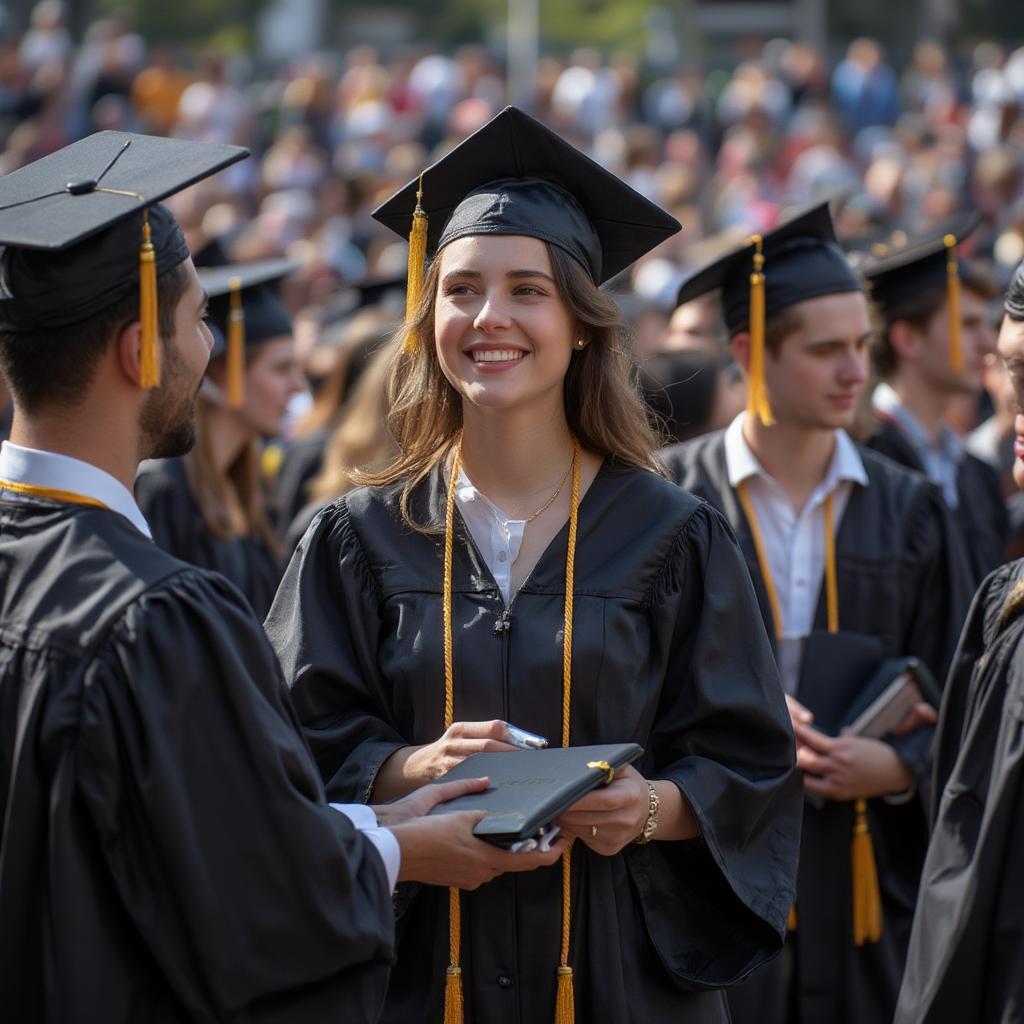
{"points": [[581, 343]]}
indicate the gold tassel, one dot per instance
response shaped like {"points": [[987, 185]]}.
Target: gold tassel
{"points": [[757, 398], [417, 262], [867, 900], [236, 347], [791, 921], [565, 1000], [149, 361], [956, 348], [453, 996]]}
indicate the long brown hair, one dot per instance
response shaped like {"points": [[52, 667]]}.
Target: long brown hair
{"points": [[232, 503], [361, 440], [603, 403]]}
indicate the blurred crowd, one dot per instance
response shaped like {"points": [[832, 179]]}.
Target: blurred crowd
{"points": [[898, 149]]}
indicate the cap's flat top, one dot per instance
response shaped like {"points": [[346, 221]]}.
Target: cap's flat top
{"points": [[813, 222], [39, 207], [219, 280], [515, 147], [892, 262]]}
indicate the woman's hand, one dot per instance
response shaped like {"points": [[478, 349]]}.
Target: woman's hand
{"points": [[849, 767], [408, 768], [618, 811]]}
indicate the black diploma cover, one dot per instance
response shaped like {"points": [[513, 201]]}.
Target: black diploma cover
{"points": [[530, 788]]}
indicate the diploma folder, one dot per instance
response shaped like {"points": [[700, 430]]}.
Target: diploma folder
{"points": [[530, 788]]}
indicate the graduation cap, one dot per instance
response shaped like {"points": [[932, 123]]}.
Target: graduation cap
{"points": [[514, 176], [894, 270], [794, 262], [244, 311], [83, 228]]}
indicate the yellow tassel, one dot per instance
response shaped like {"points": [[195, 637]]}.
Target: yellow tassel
{"points": [[565, 1000], [149, 361], [417, 262], [236, 347], [956, 348], [791, 921], [867, 900], [453, 996], [757, 398]]}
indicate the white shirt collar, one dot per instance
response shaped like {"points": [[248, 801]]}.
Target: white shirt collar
{"points": [[741, 462], [63, 473]]}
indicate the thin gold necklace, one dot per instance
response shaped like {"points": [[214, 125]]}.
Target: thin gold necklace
{"points": [[504, 522]]}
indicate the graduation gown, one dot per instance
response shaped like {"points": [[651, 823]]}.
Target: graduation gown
{"points": [[981, 515], [901, 578], [301, 462], [668, 652], [163, 495], [166, 853], [966, 959]]}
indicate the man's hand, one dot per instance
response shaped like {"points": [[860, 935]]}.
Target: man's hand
{"points": [[442, 850], [798, 714], [422, 801], [919, 715], [849, 767]]}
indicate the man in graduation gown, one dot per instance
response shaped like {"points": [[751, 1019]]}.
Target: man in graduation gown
{"points": [[966, 959], [166, 851], [935, 338], [854, 563]]}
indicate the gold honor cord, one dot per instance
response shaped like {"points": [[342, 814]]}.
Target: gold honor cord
{"points": [[867, 900], [51, 493], [453, 998]]}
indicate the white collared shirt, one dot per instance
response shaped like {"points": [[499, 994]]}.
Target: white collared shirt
{"points": [[794, 542], [498, 537], [63, 473]]}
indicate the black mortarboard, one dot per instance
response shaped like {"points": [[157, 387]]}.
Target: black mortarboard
{"points": [[514, 176], [892, 271], [794, 262], [83, 227], [244, 311]]}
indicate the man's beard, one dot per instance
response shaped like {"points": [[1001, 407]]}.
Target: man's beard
{"points": [[168, 419]]}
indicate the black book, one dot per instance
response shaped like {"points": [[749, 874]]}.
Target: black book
{"points": [[530, 788]]}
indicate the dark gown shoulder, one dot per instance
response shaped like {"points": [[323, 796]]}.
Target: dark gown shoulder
{"points": [[966, 959], [301, 462], [147, 752], [178, 526]]}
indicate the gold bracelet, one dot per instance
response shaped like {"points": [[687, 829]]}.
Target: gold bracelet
{"points": [[651, 824]]}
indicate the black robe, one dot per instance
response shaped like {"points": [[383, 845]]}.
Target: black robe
{"points": [[177, 525], [901, 578], [301, 462], [668, 651], [166, 853], [966, 960], [981, 514]]}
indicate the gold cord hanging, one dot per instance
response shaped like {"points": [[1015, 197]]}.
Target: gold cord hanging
{"points": [[417, 263], [149, 359], [236, 346], [956, 347], [453, 998], [867, 904], [757, 396]]}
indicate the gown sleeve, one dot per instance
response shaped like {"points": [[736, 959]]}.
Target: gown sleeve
{"points": [[935, 580], [716, 907], [325, 625], [256, 899]]}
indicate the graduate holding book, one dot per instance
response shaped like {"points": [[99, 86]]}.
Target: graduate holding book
{"points": [[855, 566], [522, 560]]}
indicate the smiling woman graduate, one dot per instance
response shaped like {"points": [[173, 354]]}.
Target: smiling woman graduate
{"points": [[522, 560]]}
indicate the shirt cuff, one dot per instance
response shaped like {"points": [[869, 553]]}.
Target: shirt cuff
{"points": [[365, 821]]}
